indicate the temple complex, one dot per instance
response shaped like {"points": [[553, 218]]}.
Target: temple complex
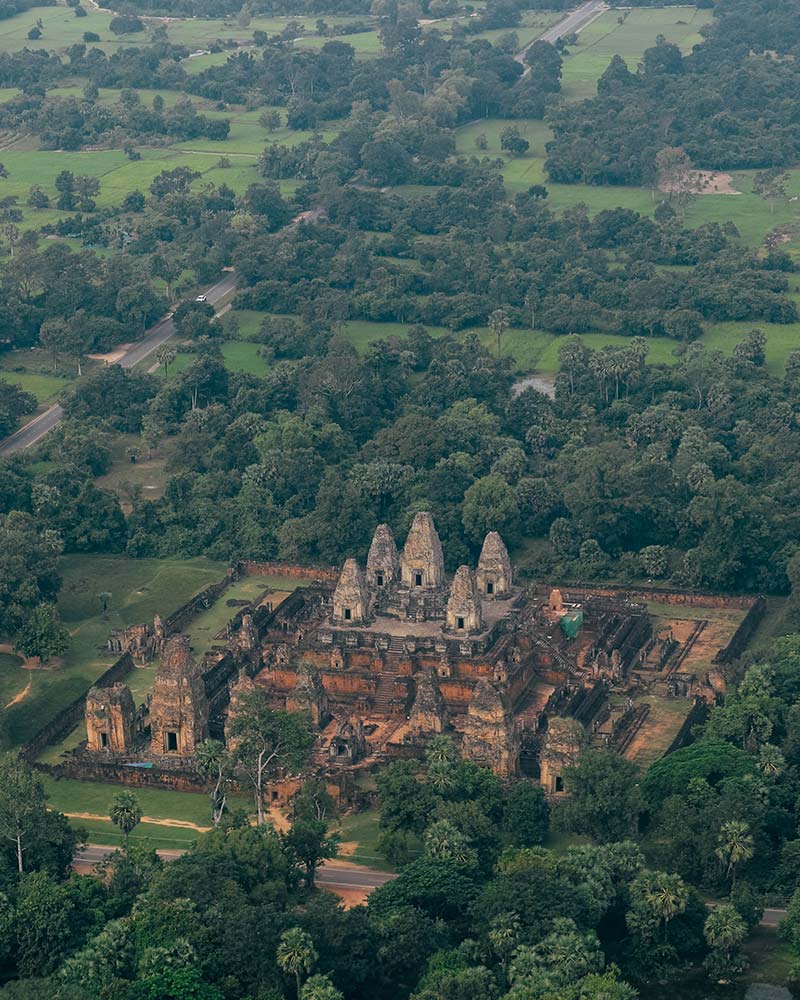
{"points": [[396, 651]]}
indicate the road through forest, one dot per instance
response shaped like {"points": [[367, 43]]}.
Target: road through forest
{"points": [[36, 429]]}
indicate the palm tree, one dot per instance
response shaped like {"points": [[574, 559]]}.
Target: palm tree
{"points": [[125, 813], [104, 597], [735, 845], [441, 777], [724, 927], [296, 954], [498, 324], [667, 895], [724, 931], [504, 935], [771, 762], [442, 750]]}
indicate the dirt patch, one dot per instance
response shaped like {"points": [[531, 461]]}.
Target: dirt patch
{"points": [[112, 357], [347, 847], [349, 897], [20, 696], [182, 824], [707, 182]]}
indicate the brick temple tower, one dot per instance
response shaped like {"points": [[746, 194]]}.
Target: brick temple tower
{"points": [[179, 709]]}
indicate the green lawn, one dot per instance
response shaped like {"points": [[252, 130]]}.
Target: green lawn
{"points": [[45, 388], [604, 38], [140, 588], [205, 626], [71, 796], [362, 828]]}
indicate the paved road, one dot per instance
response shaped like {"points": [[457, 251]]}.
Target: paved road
{"points": [[336, 876], [772, 917], [574, 21], [36, 429]]}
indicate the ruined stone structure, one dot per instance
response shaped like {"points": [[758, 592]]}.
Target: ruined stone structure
{"points": [[563, 745], [351, 603], [382, 659], [349, 743], [429, 712], [383, 561], [494, 576], [143, 642], [490, 734], [241, 687], [422, 562], [463, 606], [179, 708], [110, 719], [309, 695]]}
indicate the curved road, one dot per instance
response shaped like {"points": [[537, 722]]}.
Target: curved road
{"points": [[335, 876], [36, 429]]}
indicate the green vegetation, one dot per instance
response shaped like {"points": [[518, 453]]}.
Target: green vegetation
{"points": [[627, 33]]}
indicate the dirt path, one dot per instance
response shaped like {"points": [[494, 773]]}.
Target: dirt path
{"points": [[183, 824], [20, 696]]}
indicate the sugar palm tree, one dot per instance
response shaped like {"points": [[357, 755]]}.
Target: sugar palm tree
{"points": [[735, 845], [667, 895], [296, 954], [125, 813]]}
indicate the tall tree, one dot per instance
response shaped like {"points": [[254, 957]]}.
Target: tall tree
{"points": [[126, 813], [22, 805], [296, 955], [266, 740]]}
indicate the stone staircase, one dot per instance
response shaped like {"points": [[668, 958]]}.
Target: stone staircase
{"points": [[384, 693]]}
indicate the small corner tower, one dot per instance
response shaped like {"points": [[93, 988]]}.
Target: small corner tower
{"points": [[110, 718], [422, 562], [179, 709], [383, 562], [464, 606], [494, 568], [351, 597]]}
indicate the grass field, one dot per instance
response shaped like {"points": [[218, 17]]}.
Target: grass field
{"points": [[140, 588], [537, 350], [607, 37], [749, 212], [60, 29], [204, 627], [95, 798]]}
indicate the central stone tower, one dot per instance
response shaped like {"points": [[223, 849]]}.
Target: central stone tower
{"points": [[422, 562], [179, 709]]}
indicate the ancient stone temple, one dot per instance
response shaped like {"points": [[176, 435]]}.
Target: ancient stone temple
{"points": [[349, 743], [490, 736], [494, 575], [422, 562], [464, 606], [563, 745], [310, 696], [179, 708], [351, 597], [241, 687], [429, 712], [383, 562], [142, 641], [110, 719]]}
